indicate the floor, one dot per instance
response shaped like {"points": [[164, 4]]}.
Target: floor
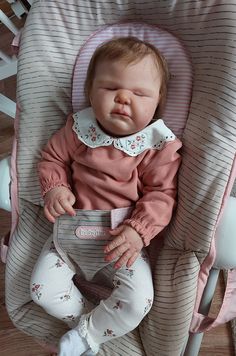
{"points": [[217, 342]]}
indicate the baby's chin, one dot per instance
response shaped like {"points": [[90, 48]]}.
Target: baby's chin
{"points": [[119, 131]]}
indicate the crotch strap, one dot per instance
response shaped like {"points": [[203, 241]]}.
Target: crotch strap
{"points": [[80, 240]]}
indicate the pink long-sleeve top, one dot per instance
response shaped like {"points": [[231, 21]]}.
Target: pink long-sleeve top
{"points": [[107, 173]]}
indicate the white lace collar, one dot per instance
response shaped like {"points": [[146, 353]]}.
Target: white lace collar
{"points": [[89, 132]]}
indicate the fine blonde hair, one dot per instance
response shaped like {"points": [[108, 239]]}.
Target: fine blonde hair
{"points": [[128, 50]]}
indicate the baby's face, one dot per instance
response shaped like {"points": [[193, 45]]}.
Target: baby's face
{"points": [[124, 97]]}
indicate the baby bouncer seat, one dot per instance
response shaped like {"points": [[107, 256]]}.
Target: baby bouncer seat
{"points": [[54, 33]]}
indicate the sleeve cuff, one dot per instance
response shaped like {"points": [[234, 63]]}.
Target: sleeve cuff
{"points": [[47, 188], [147, 234]]}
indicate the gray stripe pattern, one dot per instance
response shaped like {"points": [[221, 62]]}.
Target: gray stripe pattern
{"points": [[86, 252]]}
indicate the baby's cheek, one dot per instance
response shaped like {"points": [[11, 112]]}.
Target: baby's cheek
{"points": [[148, 115]]}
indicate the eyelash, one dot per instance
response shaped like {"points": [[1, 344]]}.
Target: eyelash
{"points": [[139, 94], [135, 93]]}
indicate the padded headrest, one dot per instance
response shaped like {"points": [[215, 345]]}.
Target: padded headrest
{"points": [[180, 85]]}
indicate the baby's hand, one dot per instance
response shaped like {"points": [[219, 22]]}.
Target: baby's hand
{"points": [[58, 201], [127, 245]]}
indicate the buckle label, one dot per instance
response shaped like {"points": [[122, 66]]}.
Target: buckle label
{"points": [[93, 232]]}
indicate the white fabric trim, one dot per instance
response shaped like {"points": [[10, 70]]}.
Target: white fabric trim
{"points": [[83, 331], [90, 133]]}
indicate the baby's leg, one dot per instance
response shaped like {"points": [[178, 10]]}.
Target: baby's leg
{"points": [[53, 289], [129, 302]]}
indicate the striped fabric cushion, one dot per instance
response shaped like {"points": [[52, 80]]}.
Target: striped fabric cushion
{"points": [[55, 30]]}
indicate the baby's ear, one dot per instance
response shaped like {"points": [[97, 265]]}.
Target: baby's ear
{"points": [[89, 98], [161, 105]]}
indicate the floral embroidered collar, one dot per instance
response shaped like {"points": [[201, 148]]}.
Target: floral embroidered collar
{"points": [[89, 132]]}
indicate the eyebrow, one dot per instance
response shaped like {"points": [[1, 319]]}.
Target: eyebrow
{"points": [[114, 83], [107, 82]]}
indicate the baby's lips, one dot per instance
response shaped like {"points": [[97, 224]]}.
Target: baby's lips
{"points": [[120, 112]]}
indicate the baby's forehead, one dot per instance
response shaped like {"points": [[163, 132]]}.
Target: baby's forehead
{"points": [[146, 61], [138, 73]]}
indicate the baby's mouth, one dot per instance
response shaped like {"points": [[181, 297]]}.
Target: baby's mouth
{"points": [[120, 112]]}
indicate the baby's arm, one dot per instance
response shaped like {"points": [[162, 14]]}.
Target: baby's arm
{"points": [[126, 246], [153, 210], [58, 201], [158, 174], [55, 172]]}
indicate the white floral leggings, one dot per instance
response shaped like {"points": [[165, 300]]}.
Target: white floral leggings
{"points": [[53, 289]]}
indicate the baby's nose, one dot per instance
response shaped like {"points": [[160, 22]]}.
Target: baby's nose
{"points": [[123, 97]]}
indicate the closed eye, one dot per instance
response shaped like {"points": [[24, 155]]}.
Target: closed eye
{"points": [[110, 88], [140, 94]]}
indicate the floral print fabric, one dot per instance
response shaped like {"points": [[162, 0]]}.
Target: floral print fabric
{"points": [[153, 136]]}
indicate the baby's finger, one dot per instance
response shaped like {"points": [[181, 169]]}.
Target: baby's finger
{"points": [[117, 230], [48, 215], [71, 199], [66, 205], [119, 240], [59, 208], [117, 252], [132, 259], [123, 260]]}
